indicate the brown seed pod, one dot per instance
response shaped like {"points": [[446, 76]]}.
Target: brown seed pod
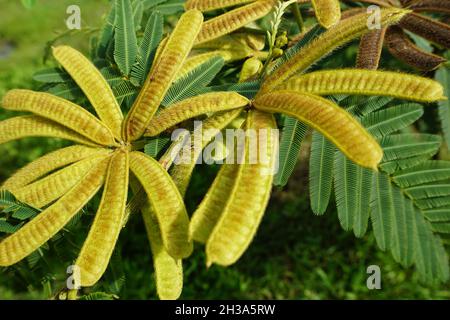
{"points": [[427, 28], [370, 48], [402, 48]]}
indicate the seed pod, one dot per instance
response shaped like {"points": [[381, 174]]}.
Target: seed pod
{"points": [[334, 123], [370, 48], [328, 12], [402, 48], [209, 5], [193, 107], [44, 191], [250, 69], [163, 72], [99, 245], [442, 6], [345, 31], [181, 173], [247, 200], [367, 82], [94, 86], [168, 271], [39, 230], [210, 209], [234, 19], [48, 163], [61, 111], [427, 28], [35, 126], [166, 202]]}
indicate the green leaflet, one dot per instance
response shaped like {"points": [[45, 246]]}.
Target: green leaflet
{"points": [[437, 214], [51, 75], [170, 7], [112, 76], [155, 146], [386, 121], [320, 172], [106, 34], [138, 14], [428, 171], [292, 135], [402, 151], [443, 76], [125, 48], [382, 210], [194, 82], [361, 105], [352, 185], [429, 190], [152, 37], [402, 235], [67, 90]]}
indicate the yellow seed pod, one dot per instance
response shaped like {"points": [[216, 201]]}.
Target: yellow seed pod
{"points": [[345, 31], [193, 107], [39, 230], [94, 86], [61, 111], [99, 245], [50, 162], [333, 122], [209, 5], [250, 69], [248, 198], [328, 12], [254, 41], [35, 126], [166, 202], [210, 209], [168, 271], [44, 191], [367, 82], [163, 72], [234, 19], [181, 173]]}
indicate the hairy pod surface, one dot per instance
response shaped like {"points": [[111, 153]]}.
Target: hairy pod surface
{"points": [[210, 209], [431, 6], [181, 173], [427, 28], [193, 107], [61, 111], [247, 200], [234, 19], [367, 82], [94, 86], [104, 232], [403, 49], [168, 271], [166, 202], [163, 73], [345, 31], [328, 12], [52, 161], [35, 126], [39, 230], [209, 5], [370, 48], [333, 122], [46, 190]]}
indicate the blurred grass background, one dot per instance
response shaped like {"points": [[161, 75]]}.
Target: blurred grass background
{"points": [[295, 255]]}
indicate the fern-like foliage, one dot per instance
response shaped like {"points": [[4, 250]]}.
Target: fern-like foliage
{"points": [[401, 198]]}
